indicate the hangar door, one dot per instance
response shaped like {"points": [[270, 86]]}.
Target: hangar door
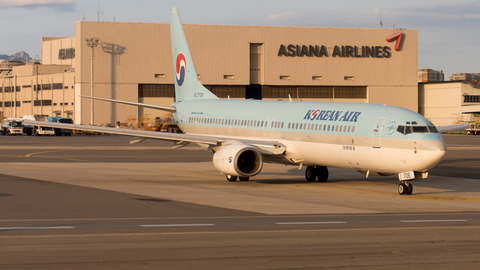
{"points": [[256, 63]]}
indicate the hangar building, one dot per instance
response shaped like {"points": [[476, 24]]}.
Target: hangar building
{"points": [[133, 61]]}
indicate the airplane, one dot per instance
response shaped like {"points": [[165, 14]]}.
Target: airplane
{"points": [[374, 139]]}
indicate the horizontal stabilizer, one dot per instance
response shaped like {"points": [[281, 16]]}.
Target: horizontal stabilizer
{"points": [[446, 129], [153, 106]]}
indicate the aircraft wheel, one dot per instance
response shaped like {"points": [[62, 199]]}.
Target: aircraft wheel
{"points": [[311, 173], [231, 178], [322, 173], [409, 189], [402, 189], [244, 179]]}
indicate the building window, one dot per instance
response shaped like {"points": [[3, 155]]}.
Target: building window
{"points": [[349, 78], [9, 89], [229, 77], [161, 76], [317, 78], [156, 90], [471, 99], [352, 92], [284, 77], [225, 91]]}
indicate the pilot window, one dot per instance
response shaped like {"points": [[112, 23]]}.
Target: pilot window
{"points": [[432, 129], [416, 129]]}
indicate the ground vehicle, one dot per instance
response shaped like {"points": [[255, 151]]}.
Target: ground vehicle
{"points": [[473, 129], [64, 120], [36, 130], [12, 127]]}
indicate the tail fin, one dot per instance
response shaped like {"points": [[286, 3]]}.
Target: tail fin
{"points": [[187, 86]]}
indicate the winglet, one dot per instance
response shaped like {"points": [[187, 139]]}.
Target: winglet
{"points": [[187, 86]]}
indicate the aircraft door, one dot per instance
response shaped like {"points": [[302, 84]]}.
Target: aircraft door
{"points": [[377, 132], [272, 126], [183, 115], [265, 125]]}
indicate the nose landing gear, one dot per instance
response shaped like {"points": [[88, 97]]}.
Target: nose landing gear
{"points": [[405, 188]]}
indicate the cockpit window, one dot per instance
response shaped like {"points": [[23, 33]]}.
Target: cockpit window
{"points": [[433, 129], [416, 129], [420, 129], [401, 129]]}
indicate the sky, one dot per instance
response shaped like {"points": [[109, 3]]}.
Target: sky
{"points": [[448, 31]]}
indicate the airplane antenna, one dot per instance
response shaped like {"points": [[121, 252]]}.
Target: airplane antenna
{"points": [[98, 13], [289, 97], [381, 22], [114, 19], [83, 18]]}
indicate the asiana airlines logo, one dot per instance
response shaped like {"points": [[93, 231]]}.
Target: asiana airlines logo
{"points": [[327, 115]]}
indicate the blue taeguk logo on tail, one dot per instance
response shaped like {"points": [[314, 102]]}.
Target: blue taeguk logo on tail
{"points": [[180, 69]]}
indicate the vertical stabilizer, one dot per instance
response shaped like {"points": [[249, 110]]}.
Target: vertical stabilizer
{"points": [[187, 86]]}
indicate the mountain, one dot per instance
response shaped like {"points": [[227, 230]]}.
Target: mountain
{"points": [[19, 56]]}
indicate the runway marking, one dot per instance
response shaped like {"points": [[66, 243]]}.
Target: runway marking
{"points": [[234, 232], [438, 220], [176, 225], [307, 223], [37, 228], [233, 224], [442, 198], [36, 153]]}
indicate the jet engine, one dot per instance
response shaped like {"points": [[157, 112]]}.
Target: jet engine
{"points": [[238, 160]]}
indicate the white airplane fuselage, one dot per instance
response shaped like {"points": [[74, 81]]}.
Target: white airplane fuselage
{"points": [[357, 136]]}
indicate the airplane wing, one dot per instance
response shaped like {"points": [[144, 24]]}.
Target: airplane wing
{"points": [[445, 129], [264, 147]]}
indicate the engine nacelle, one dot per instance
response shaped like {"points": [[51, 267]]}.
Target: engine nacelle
{"points": [[238, 160]]}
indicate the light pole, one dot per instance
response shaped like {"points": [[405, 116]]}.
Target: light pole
{"points": [[92, 43]]}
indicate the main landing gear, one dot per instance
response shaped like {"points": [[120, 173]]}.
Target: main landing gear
{"points": [[316, 172], [405, 188], [233, 178]]}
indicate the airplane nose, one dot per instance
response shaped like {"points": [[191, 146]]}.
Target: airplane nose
{"points": [[432, 149]]}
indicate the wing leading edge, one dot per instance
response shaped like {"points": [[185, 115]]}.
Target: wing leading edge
{"points": [[264, 147]]}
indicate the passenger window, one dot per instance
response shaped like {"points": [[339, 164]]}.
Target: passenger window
{"points": [[353, 129], [348, 129]]}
